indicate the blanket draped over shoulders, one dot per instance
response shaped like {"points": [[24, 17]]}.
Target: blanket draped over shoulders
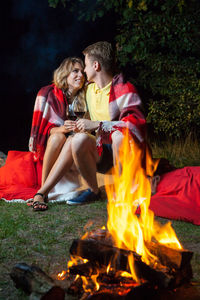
{"points": [[49, 111], [125, 109]]}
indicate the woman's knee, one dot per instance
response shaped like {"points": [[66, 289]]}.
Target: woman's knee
{"points": [[56, 140]]}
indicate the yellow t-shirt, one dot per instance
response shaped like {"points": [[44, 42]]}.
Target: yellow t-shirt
{"points": [[98, 102]]}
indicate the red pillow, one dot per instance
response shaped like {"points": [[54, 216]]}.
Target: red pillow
{"points": [[20, 169]]}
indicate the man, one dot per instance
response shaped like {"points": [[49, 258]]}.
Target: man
{"points": [[113, 105]]}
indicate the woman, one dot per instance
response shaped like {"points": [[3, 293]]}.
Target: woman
{"points": [[54, 118]]}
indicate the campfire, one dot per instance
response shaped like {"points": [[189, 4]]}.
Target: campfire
{"points": [[134, 254], [133, 257]]}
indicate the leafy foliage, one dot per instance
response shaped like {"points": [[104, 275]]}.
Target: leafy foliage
{"points": [[162, 43], [54, 3], [158, 42]]}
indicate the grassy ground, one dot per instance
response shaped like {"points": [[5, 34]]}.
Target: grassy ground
{"points": [[41, 238], [44, 238], [179, 153]]}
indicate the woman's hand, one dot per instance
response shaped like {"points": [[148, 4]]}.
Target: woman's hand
{"points": [[67, 127], [70, 125]]}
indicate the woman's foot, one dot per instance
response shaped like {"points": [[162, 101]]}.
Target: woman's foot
{"points": [[39, 202]]}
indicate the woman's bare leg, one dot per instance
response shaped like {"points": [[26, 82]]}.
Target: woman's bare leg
{"points": [[85, 157], [54, 145], [61, 166]]}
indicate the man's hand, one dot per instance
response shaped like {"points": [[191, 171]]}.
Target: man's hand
{"points": [[86, 125]]}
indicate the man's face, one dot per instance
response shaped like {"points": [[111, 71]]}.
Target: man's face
{"points": [[89, 68]]}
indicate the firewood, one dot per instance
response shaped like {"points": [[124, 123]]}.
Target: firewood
{"points": [[35, 282], [173, 258], [100, 254], [76, 287], [85, 269], [141, 291], [174, 262]]}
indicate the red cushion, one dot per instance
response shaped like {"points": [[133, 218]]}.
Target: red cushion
{"points": [[20, 170]]}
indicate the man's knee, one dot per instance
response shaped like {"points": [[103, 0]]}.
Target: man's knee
{"points": [[117, 138], [82, 142]]}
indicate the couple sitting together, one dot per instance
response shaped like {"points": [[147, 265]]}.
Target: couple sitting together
{"points": [[64, 140]]}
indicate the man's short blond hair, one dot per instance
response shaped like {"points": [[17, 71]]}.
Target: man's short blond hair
{"points": [[103, 53]]}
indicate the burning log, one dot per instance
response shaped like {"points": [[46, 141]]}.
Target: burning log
{"points": [[114, 286], [173, 258], [35, 282], [102, 255], [161, 275], [118, 292], [85, 269], [177, 260]]}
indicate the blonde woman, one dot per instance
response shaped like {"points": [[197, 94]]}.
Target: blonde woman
{"points": [[56, 108]]}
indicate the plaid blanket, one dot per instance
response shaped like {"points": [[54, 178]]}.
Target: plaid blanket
{"points": [[49, 111], [125, 112]]}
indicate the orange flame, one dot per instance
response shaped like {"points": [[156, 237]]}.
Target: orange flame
{"points": [[62, 275], [131, 189], [92, 284]]}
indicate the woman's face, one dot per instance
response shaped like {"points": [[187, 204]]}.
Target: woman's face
{"points": [[76, 79]]}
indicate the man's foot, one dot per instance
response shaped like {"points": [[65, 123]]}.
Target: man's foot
{"points": [[85, 197], [40, 204]]}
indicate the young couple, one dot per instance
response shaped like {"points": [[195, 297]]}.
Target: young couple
{"points": [[64, 143]]}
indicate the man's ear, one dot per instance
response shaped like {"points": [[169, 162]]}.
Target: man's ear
{"points": [[96, 66]]}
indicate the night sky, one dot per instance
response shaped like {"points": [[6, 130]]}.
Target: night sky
{"points": [[35, 38]]}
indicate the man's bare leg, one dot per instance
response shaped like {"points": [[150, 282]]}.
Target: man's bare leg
{"points": [[54, 145], [117, 138], [85, 157]]}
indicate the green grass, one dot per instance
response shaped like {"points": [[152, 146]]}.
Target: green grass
{"points": [[41, 238], [180, 153], [44, 238]]}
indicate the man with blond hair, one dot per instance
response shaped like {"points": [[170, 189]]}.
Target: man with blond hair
{"points": [[113, 106]]}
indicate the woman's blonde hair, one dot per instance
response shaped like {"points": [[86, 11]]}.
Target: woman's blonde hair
{"points": [[61, 73]]}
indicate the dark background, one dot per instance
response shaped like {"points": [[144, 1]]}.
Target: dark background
{"points": [[35, 38]]}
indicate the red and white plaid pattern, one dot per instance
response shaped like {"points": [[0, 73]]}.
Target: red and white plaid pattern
{"points": [[49, 111], [125, 112]]}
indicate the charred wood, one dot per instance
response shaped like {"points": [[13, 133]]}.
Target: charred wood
{"points": [[140, 292], [173, 258], [85, 269], [35, 282], [173, 266], [102, 255]]}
